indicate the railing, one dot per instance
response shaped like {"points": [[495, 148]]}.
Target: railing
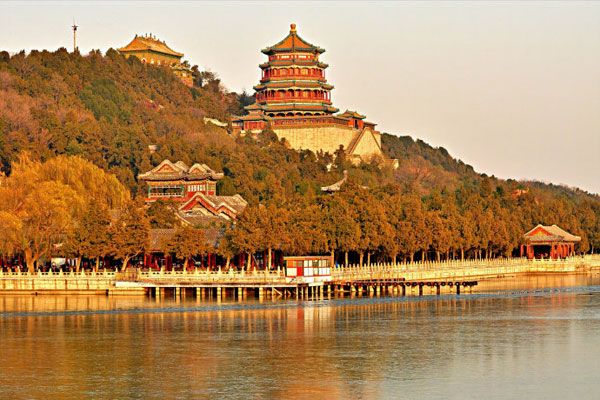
{"points": [[102, 274], [216, 276], [456, 267], [369, 271]]}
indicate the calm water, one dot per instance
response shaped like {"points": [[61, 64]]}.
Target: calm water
{"points": [[529, 340]]}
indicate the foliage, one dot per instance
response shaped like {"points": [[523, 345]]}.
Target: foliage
{"points": [[72, 110], [162, 214], [43, 201], [91, 237], [130, 233], [186, 243]]}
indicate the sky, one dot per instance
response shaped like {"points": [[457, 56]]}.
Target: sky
{"points": [[511, 88]]}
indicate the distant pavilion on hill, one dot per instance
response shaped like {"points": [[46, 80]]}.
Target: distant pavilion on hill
{"points": [[153, 51]]}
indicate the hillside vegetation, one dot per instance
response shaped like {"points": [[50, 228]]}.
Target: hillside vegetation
{"points": [[108, 109]]}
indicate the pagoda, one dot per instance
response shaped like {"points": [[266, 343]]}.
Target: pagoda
{"points": [[294, 98], [293, 80]]}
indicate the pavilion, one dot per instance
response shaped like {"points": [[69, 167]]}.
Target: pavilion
{"points": [[548, 242]]}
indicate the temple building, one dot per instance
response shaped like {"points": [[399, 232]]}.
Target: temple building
{"points": [[548, 242], [194, 189], [194, 192], [153, 51], [293, 96]]}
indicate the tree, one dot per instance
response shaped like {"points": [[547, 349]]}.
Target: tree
{"points": [[162, 214], [307, 234], [273, 222], [339, 225], [40, 221], [412, 227], [245, 234], [91, 237], [48, 199], [225, 249], [370, 216], [130, 233], [186, 243]]}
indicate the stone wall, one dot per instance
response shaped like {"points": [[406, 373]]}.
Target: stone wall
{"points": [[328, 138], [369, 144]]}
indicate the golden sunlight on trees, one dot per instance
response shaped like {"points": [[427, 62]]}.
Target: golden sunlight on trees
{"points": [[130, 233], [186, 243], [44, 201], [91, 237]]}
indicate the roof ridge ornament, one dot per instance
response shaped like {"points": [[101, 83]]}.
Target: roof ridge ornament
{"points": [[292, 28]]}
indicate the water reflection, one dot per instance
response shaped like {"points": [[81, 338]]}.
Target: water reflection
{"points": [[516, 345]]}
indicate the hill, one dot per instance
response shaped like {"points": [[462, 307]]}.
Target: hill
{"points": [[109, 109]]}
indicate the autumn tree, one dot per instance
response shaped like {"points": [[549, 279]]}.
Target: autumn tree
{"points": [[370, 218], [91, 237], [272, 222], [245, 234], [339, 225], [39, 219], [186, 243], [412, 227], [162, 214], [45, 200], [130, 233], [306, 232]]}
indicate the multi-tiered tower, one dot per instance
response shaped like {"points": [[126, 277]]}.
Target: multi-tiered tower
{"points": [[293, 80], [293, 96]]}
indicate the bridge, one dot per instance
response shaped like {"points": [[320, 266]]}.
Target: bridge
{"points": [[406, 278]]}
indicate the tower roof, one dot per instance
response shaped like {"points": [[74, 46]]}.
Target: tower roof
{"points": [[141, 43], [351, 114], [292, 42]]}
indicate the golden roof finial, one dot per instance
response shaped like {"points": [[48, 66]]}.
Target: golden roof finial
{"points": [[293, 28]]}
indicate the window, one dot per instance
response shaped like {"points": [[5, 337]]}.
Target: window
{"points": [[165, 191]]}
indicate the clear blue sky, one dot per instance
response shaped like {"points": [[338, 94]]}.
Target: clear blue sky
{"points": [[512, 88]]}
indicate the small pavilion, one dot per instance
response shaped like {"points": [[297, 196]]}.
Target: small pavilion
{"points": [[548, 242]]}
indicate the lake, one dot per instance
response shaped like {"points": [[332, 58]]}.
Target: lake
{"points": [[535, 337]]}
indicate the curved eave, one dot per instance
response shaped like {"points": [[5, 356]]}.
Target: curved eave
{"points": [[140, 50], [283, 63], [303, 106], [271, 50], [292, 85], [253, 118]]}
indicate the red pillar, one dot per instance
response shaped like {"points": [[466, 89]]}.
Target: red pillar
{"points": [[521, 251]]}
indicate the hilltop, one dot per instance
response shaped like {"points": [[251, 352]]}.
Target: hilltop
{"points": [[109, 109]]}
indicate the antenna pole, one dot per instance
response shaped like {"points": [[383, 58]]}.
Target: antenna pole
{"points": [[74, 36]]}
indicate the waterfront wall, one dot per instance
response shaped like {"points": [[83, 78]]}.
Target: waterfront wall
{"points": [[138, 282], [469, 269], [60, 283]]}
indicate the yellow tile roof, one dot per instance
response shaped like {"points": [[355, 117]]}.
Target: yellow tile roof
{"points": [[140, 43]]}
